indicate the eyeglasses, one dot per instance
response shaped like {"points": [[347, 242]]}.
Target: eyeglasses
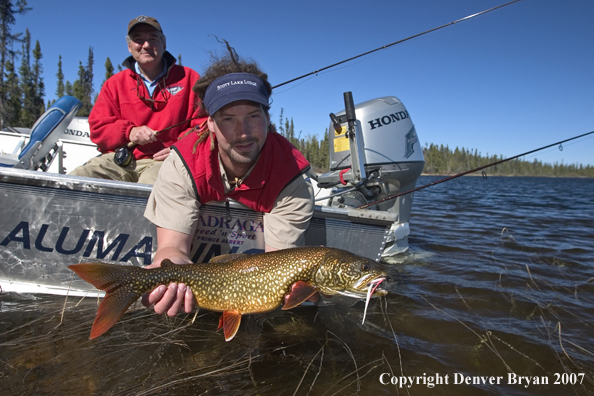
{"points": [[156, 104]]}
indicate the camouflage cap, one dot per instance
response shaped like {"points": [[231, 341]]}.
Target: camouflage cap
{"points": [[146, 20]]}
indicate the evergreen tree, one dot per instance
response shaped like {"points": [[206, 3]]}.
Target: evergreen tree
{"points": [[82, 88], [323, 163], [77, 86], [108, 70], [60, 76], [87, 84], [316, 151], [179, 61], [28, 111], [37, 80], [8, 11], [312, 150], [12, 106], [280, 128], [287, 129], [68, 89]]}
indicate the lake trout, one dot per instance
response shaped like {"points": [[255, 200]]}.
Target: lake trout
{"points": [[238, 284]]}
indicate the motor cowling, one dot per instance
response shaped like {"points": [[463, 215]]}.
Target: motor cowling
{"points": [[375, 153], [389, 149]]}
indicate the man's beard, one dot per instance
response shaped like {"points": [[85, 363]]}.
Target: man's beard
{"points": [[244, 157]]}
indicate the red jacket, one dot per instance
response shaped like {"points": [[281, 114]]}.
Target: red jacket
{"points": [[278, 165], [119, 108]]}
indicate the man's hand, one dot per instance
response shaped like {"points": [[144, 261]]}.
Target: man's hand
{"points": [[142, 135], [162, 155], [170, 299], [174, 297]]}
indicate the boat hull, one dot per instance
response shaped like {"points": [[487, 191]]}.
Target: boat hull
{"points": [[50, 221]]}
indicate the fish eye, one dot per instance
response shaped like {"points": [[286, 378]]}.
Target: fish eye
{"points": [[365, 267]]}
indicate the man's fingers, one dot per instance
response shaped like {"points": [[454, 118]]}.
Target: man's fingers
{"points": [[189, 301], [178, 301], [147, 136], [162, 155], [149, 299], [142, 135], [168, 298]]}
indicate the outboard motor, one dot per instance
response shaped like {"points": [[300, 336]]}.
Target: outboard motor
{"points": [[374, 153]]}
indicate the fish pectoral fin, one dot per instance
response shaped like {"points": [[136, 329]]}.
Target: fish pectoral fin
{"points": [[300, 292], [229, 322]]}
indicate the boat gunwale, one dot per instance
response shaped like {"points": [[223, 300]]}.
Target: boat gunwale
{"points": [[137, 190]]}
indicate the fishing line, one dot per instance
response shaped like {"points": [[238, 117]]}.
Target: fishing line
{"points": [[322, 73], [396, 42], [470, 171], [294, 86]]}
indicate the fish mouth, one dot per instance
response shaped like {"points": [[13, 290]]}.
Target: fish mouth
{"points": [[373, 286], [370, 281], [361, 289]]}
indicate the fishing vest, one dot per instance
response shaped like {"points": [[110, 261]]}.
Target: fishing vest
{"points": [[278, 165]]}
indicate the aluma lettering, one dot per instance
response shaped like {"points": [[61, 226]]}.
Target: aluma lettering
{"points": [[96, 242]]}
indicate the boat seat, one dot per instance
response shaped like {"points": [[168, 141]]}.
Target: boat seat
{"points": [[43, 145]]}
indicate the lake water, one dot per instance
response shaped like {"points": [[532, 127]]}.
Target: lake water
{"points": [[496, 288]]}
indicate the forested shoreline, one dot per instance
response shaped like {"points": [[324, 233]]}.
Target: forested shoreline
{"points": [[444, 161], [439, 160]]}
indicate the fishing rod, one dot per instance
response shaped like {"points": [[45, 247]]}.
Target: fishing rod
{"points": [[396, 42], [560, 144]]}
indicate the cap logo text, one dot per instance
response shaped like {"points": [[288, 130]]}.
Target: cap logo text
{"points": [[237, 82]]}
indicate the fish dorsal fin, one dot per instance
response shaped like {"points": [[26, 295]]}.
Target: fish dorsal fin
{"points": [[300, 291], [229, 322], [223, 258], [166, 263]]}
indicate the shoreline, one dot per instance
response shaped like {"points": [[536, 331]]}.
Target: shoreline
{"points": [[474, 174]]}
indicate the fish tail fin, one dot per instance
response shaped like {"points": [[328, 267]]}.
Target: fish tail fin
{"points": [[115, 280]]}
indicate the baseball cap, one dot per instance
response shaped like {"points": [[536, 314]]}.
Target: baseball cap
{"points": [[146, 20], [234, 87]]}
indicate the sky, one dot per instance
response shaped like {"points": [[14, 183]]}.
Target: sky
{"points": [[505, 82]]}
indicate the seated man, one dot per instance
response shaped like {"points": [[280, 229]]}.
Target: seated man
{"points": [[237, 155], [142, 110]]}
